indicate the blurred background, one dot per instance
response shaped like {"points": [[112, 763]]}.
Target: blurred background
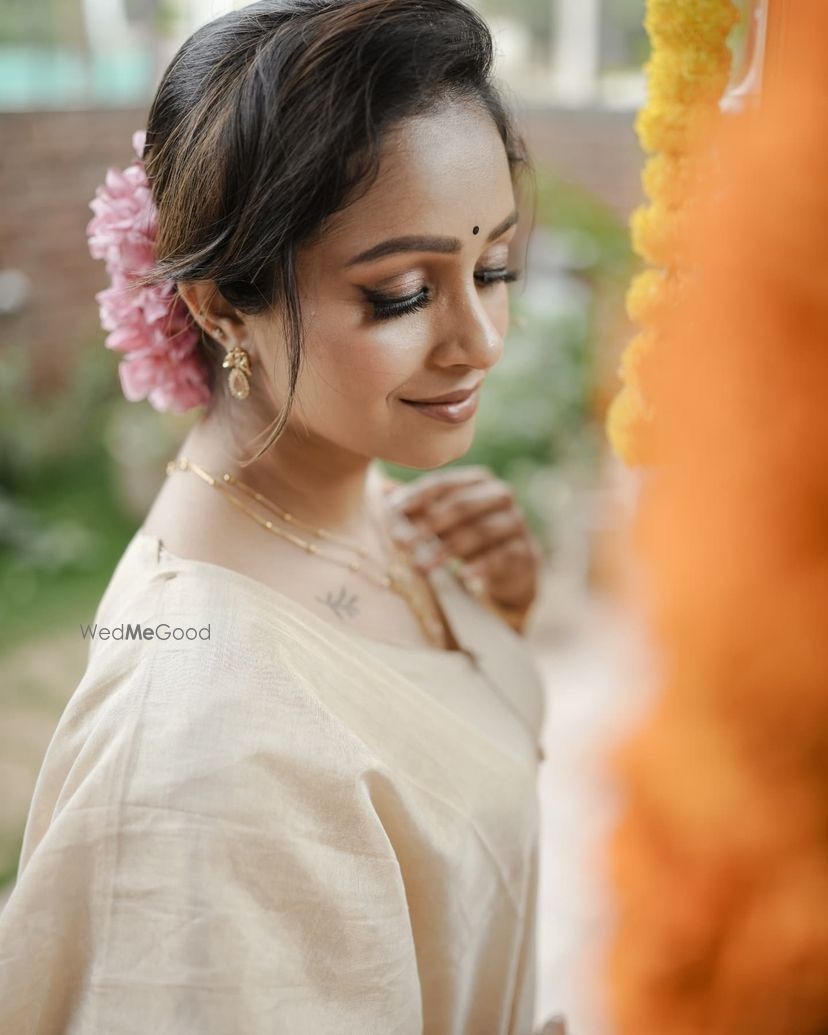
{"points": [[79, 465]]}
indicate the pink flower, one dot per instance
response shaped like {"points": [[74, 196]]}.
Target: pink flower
{"points": [[152, 326], [168, 386]]}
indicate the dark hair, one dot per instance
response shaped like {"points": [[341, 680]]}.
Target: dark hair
{"points": [[268, 121]]}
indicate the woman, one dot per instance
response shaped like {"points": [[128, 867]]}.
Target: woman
{"points": [[297, 792]]}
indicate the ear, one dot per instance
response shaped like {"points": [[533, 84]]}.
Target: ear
{"points": [[210, 309]]}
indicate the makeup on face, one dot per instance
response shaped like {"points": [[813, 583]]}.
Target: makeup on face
{"points": [[451, 413], [420, 243], [389, 306]]}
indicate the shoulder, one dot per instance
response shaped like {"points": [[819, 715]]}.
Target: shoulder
{"points": [[158, 614], [208, 712]]}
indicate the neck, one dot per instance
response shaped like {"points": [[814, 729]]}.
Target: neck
{"points": [[315, 480]]}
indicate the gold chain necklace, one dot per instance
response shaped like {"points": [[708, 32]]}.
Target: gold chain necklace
{"points": [[396, 577]]}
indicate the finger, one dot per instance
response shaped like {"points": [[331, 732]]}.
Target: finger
{"points": [[463, 540], [510, 559], [408, 532], [471, 540], [522, 549], [507, 557], [463, 505], [467, 504], [431, 486], [416, 539]]}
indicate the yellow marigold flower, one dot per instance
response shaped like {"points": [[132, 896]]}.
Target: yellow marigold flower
{"points": [[672, 126], [688, 76], [634, 358], [655, 233], [687, 73], [642, 294], [628, 418], [690, 23], [649, 295], [670, 179]]}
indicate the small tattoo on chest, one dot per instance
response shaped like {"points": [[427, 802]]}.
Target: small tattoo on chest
{"points": [[343, 604]]}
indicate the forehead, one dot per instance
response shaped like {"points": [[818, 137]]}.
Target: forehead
{"points": [[441, 173]]}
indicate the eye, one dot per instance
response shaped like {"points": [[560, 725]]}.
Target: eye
{"points": [[496, 276], [386, 308]]}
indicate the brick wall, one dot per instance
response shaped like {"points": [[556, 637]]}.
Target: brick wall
{"points": [[51, 165], [52, 162]]}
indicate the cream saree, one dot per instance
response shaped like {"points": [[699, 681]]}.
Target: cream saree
{"points": [[281, 828]]}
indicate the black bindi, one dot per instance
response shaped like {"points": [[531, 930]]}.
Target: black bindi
{"points": [[476, 230]]}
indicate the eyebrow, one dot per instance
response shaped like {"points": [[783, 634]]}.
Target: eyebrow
{"points": [[447, 245]]}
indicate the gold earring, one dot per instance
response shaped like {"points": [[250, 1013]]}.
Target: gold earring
{"points": [[238, 360]]}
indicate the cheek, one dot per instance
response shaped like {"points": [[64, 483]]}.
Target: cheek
{"points": [[366, 371], [364, 363]]}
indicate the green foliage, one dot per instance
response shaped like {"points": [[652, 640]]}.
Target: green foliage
{"points": [[43, 23], [60, 526], [565, 208], [11, 843], [627, 19]]}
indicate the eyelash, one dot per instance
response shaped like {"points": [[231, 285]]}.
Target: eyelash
{"points": [[388, 308]]}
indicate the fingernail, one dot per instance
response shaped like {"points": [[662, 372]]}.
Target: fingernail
{"points": [[472, 579], [401, 530], [429, 555], [396, 498], [423, 553]]}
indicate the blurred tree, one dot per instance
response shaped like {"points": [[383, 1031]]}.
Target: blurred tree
{"points": [[41, 22], [624, 40]]}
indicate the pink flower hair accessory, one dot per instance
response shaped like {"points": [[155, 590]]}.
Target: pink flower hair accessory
{"points": [[151, 325]]}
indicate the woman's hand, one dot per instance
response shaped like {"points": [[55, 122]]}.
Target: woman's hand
{"points": [[470, 514]]}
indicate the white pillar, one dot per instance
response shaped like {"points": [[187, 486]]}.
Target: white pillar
{"points": [[106, 23], [576, 50]]}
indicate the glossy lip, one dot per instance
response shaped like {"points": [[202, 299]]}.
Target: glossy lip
{"points": [[458, 395], [450, 412]]}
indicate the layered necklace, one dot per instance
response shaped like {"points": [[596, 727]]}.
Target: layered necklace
{"points": [[398, 576]]}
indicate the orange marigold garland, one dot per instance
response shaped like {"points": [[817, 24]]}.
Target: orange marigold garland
{"points": [[720, 858], [687, 74]]}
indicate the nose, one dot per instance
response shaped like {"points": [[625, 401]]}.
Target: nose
{"points": [[472, 337]]}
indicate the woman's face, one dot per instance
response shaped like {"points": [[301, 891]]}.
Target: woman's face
{"points": [[413, 322]]}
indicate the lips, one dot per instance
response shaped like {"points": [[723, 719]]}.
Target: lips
{"points": [[448, 412], [458, 395]]}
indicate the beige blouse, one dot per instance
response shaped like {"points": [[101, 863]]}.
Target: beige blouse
{"points": [[282, 828]]}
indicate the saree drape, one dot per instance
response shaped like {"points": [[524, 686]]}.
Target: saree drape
{"points": [[281, 828]]}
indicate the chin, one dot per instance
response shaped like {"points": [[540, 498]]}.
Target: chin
{"points": [[426, 455]]}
